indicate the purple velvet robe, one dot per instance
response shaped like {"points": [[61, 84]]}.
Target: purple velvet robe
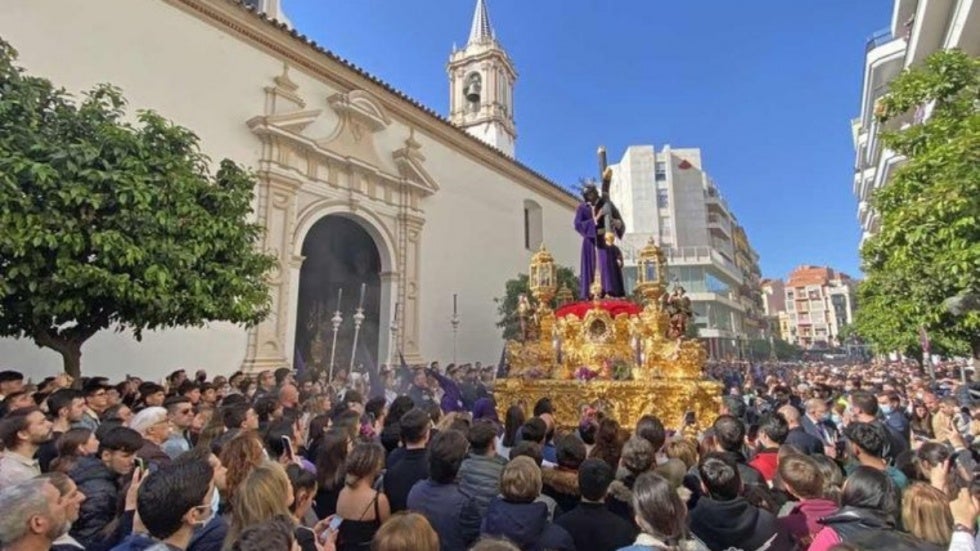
{"points": [[585, 226], [611, 273]]}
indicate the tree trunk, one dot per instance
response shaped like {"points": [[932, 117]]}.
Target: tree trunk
{"points": [[69, 348], [71, 357]]}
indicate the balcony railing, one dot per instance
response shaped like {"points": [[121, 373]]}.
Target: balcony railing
{"points": [[879, 38]]}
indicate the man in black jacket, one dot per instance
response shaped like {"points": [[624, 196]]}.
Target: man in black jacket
{"points": [[730, 440], [408, 465], [864, 408], [723, 519], [591, 524], [797, 437], [99, 479]]}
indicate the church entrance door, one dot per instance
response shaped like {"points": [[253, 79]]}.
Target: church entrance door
{"points": [[340, 256]]}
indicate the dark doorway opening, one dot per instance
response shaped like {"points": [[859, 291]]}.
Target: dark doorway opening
{"points": [[339, 254]]}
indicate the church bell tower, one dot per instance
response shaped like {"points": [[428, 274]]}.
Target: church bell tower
{"points": [[481, 84]]}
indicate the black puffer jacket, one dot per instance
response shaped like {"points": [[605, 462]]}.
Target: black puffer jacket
{"points": [[101, 489], [872, 530]]}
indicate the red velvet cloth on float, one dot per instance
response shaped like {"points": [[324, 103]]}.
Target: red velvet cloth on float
{"points": [[615, 307]]}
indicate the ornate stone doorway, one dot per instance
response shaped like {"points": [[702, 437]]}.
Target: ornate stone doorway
{"points": [[339, 254]]}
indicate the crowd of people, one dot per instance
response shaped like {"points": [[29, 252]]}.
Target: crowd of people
{"points": [[800, 456]]}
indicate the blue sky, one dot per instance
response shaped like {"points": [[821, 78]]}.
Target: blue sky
{"points": [[766, 89]]}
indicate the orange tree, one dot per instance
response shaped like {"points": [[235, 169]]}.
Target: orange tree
{"points": [[110, 224]]}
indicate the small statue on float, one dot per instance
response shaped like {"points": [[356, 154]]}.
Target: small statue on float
{"points": [[679, 312]]}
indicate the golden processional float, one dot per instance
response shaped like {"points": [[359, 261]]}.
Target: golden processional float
{"points": [[612, 355]]}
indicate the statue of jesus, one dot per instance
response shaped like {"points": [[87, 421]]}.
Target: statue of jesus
{"points": [[599, 223]]}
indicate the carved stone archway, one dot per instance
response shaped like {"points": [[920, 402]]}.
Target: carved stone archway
{"points": [[303, 178]]}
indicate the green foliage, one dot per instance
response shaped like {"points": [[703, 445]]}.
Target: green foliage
{"points": [[928, 247], [514, 288], [106, 223]]}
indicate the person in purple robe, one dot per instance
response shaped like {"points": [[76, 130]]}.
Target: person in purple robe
{"points": [[590, 223], [452, 398]]}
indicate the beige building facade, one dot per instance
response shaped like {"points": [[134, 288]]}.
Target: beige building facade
{"points": [[446, 213], [819, 302]]}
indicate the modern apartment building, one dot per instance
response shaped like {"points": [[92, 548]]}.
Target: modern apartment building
{"points": [[918, 28], [668, 197], [818, 301]]}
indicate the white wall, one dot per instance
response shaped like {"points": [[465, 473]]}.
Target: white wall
{"points": [[212, 82]]}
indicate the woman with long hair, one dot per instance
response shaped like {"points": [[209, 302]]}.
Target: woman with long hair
{"points": [[265, 494], [513, 421], [926, 514], [240, 455], [870, 509], [608, 443], [661, 515], [71, 445], [363, 508], [316, 429], [920, 423], [331, 465], [406, 532]]}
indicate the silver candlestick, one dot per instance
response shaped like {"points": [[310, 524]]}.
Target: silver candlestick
{"points": [[455, 322], [358, 320], [394, 337], [336, 320]]}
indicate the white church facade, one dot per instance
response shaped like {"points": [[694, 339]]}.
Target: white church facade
{"points": [[357, 183]]}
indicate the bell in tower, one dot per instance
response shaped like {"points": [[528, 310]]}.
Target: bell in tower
{"points": [[473, 87]]}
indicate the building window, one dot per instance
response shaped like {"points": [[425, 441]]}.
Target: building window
{"points": [[663, 200], [533, 225], [527, 228], [661, 171]]}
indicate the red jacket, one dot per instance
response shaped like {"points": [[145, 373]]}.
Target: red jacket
{"points": [[766, 462]]}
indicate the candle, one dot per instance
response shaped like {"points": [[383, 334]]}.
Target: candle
{"points": [[360, 303], [340, 294], [454, 304]]}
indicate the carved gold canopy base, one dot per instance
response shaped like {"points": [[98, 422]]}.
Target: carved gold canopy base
{"points": [[624, 401]]}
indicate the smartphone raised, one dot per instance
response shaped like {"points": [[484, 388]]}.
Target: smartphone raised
{"points": [[332, 526], [287, 446]]}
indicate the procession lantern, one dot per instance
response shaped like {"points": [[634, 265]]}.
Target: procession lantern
{"points": [[652, 271], [544, 276]]}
